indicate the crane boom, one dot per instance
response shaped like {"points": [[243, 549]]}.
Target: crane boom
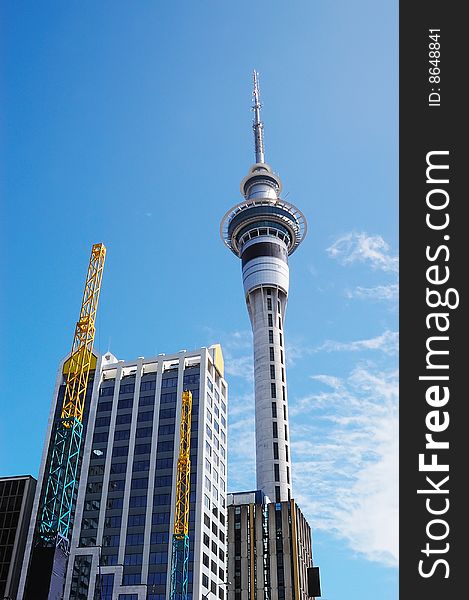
{"points": [[57, 506], [180, 549]]}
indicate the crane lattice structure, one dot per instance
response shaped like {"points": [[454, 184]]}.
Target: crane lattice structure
{"points": [[57, 506], [180, 551]]}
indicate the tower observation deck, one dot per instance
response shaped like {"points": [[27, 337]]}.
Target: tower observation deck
{"points": [[263, 230]]}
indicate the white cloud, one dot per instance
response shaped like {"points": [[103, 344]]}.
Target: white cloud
{"points": [[387, 342], [346, 451], [380, 292], [361, 247]]}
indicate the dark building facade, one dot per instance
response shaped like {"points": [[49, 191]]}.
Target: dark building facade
{"points": [[16, 500], [269, 549]]}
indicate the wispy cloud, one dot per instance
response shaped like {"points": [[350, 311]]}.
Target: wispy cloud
{"points": [[386, 342], [380, 292], [346, 451], [363, 248]]}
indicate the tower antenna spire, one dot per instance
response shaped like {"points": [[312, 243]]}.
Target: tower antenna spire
{"points": [[257, 124]]}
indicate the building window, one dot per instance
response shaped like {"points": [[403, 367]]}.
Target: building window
{"points": [[168, 398], [163, 446], [272, 371], [280, 322], [270, 320], [223, 406], [160, 518], [276, 472], [281, 340], [114, 503], [135, 520], [204, 580], [142, 448], [125, 403], [147, 385], [122, 419], [103, 421], [159, 537], [285, 412], [169, 382], [120, 451], [137, 501], [206, 560], [209, 431], [272, 354], [286, 433], [134, 539], [110, 540], [281, 356], [288, 475], [140, 465], [269, 303], [146, 400], [94, 487], [106, 391], [145, 416], [271, 338], [116, 485], [104, 406], [206, 540], [127, 388], [275, 429], [157, 579], [104, 586], [124, 434], [206, 501], [133, 559], [161, 499], [166, 429], [163, 480], [283, 375], [139, 484], [286, 453], [158, 558], [274, 410], [144, 432], [277, 493], [276, 450]]}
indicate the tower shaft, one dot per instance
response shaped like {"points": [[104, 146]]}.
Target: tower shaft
{"points": [[266, 306]]}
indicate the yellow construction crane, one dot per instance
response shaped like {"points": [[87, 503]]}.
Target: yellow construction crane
{"points": [[57, 505], [180, 550]]}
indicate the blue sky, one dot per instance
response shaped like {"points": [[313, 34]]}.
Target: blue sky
{"points": [[130, 123]]}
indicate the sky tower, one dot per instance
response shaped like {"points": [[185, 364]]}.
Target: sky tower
{"points": [[263, 230]]}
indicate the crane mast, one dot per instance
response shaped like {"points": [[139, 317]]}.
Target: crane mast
{"points": [[180, 548], [57, 507]]}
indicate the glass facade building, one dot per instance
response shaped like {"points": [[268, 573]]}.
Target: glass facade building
{"points": [[16, 499], [122, 533]]}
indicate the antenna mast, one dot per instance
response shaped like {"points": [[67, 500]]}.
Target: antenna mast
{"points": [[257, 124]]}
